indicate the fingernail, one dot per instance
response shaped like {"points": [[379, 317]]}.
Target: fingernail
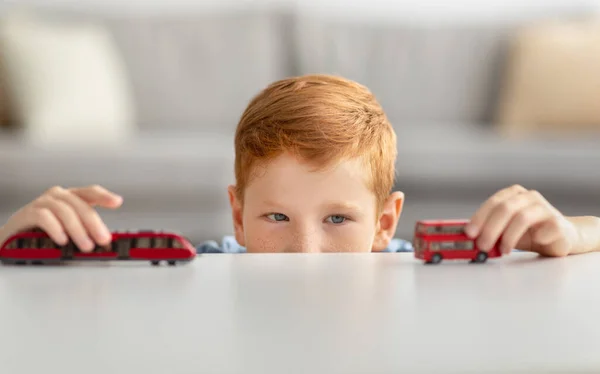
{"points": [[88, 245], [62, 239], [106, 235]]}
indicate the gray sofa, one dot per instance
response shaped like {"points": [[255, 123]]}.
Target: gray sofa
{"points": [[193, 74]]}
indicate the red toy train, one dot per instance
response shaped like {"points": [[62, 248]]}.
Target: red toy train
{"points": [[435, 240], [36, 247]]}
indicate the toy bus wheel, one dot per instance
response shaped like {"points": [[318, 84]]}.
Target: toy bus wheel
{"points": [[436, 258], [172, 263], [155, 263], [481, 257]]}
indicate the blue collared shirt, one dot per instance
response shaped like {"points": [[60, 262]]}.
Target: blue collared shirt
{"points": [[230, 245]]}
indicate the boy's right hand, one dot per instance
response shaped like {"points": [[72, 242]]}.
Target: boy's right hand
{"points": [[65, 213]]}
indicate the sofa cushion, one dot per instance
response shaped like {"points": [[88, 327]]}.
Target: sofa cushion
{"points": [[66, 81], [553, 82]]}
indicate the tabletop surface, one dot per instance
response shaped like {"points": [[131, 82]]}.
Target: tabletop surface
{"points": [[294, 313]]}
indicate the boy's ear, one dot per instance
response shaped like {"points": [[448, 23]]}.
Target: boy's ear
{"points": [[236, 213], [388, 221]]}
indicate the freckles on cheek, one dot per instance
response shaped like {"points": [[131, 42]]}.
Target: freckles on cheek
{"points": [[344, 247], [264, 245], [262, 240], [347, 241]]}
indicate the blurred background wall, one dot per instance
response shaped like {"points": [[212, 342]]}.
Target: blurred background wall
{"points": [[143, 97]]}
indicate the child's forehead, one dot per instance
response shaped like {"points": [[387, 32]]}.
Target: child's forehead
{"points": [[296, 164]]}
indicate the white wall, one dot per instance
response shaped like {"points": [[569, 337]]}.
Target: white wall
{"points": [[412, 10], [450, 11]]}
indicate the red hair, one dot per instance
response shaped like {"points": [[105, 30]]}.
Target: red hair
{"points": [[322, 119]]}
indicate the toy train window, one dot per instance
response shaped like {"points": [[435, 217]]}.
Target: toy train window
{"points": [[452, 245], [156, 242], [119, 246], [31, 243]]}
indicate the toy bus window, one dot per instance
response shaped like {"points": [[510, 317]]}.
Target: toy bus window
{"points": [[452, 245], [440, 229], [420, 245], [442, 246], [177, 243], [463, 245]]}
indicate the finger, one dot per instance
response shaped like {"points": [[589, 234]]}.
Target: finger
{"points": [[98, 196], [478, 219], [49, 223], [89, 217], [70, 222], [499, 218], [523, 221]]}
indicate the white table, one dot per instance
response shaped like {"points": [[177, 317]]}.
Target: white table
{"points": [[328, 313]]}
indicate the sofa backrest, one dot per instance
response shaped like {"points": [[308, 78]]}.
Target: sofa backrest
{"points": [[421, 73], [199, 70]]}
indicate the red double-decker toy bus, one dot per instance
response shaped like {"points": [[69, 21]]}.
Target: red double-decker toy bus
{"points": [[36, 247], [437, 240]]}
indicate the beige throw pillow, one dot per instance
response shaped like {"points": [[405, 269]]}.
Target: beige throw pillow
{"points": [[4, 100], [66, 81], [553, 80]]}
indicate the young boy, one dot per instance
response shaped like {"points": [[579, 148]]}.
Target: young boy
{"points": [[314, 167]]}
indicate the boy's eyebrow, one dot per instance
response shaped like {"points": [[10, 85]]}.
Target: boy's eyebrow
{"points": [[342, 205]]}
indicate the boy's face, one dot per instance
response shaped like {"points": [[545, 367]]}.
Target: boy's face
{"points": [[289, 207]]}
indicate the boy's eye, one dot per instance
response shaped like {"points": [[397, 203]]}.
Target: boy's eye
{"points": [[337, 219], [278, 217]]}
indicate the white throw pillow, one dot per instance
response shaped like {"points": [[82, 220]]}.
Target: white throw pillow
{"points": [[67, 82]]}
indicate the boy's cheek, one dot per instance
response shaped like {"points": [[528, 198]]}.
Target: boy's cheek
{"points": [[261, 237], [263, 244]]}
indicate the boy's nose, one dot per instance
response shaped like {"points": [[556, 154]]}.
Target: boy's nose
{"points": [[307, 248], [305, 242]]}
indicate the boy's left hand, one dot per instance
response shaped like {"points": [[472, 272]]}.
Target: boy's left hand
{"points": [[519, 218]]}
